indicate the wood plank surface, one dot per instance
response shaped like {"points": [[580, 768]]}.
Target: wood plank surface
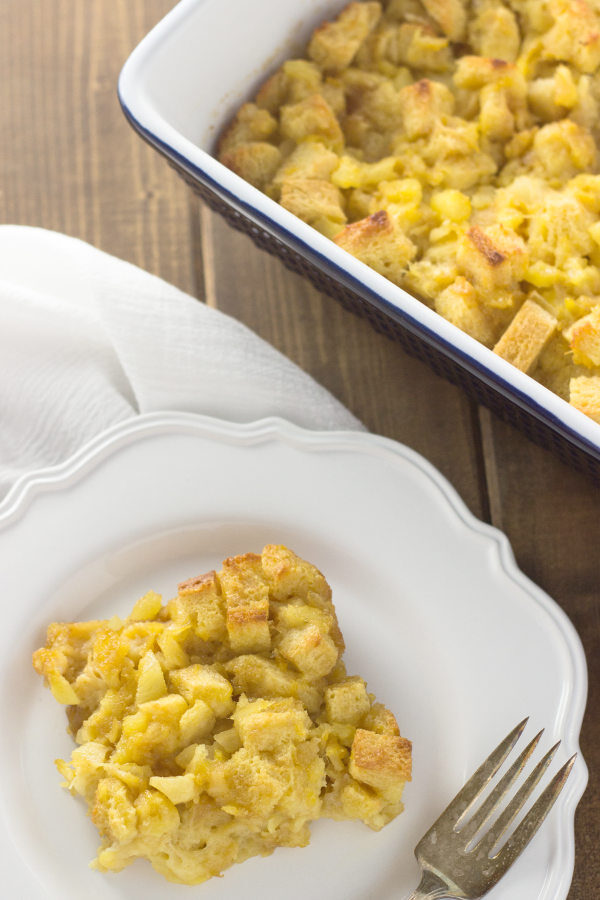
{"points": [[70, 162]]}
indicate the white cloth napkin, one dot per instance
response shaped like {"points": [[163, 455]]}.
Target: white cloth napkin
{"points": [[87, 340]]}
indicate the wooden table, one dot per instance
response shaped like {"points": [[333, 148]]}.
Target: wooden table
{"points": [[70, 162]]}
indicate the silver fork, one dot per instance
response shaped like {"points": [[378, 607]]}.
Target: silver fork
{"points": [[457, 858]]}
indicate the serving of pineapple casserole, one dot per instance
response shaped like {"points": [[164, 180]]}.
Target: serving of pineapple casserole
{"points": [[451, 145], [217, 726]]}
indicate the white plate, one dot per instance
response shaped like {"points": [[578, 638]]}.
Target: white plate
{"points": [[436, 616]]}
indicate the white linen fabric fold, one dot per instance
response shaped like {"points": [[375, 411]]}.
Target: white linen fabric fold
{"points": [[87, 340]]}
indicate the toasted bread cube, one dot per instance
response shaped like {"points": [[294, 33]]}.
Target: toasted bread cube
{"points": [[564, 149], [311, 159], [459, 304], [380, 720], [380, 243], [474, 72], [247, 603], [584, 395], [450, 16], [584, 339], [245, 783], [494, 32], [297, 615], [575, 35], [347, 701], [493, 259], [422, 103], [417, 45], [256, 162], [311, 651], [199, 604], [267, 724], [248, 626], [199, 682], [380, 760], [250, 124], [526, 336], [316, 201], [290, 576], [360, 802], [311, 118], [334, 44]]}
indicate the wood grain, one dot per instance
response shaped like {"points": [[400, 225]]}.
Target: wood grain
{"points": [[69, 161]]}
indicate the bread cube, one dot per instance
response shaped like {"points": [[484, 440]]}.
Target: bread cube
{"points": [[311, 651], [264, 725], [417, 45], [246, 597], [360, 802], [584, 339], [584, 395], [256, 676], [334, 44], [199, 604], [245, 784], [347, 701], [380, 720], [422, 103], [493, 259], [311, 118], [255, 162], [494, 31], [380, 760], [459, 304], [250, 124], [563, 149], [526, 336], [290, 576], [379, 242], [316, 201], [450, 16], [575, 35], [308, 160], [199, 682]]}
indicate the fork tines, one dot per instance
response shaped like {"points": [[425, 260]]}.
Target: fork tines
{"points": [[457, 847]]}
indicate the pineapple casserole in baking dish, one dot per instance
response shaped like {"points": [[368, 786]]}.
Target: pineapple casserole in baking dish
{"points": [[217, 726], [451, 145]]}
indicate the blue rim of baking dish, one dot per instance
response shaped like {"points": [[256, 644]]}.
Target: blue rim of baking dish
{"points": [[509, 391]]}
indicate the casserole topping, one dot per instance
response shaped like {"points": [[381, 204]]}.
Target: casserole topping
{"points": [[452, 147]]}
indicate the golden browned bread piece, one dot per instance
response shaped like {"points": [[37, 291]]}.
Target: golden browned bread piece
{"points": [[218, 726], [452, 145]]}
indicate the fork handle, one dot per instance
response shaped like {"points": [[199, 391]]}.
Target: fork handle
{"points": [[431, 888]]}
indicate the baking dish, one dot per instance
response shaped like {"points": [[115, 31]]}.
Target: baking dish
{"points": [[178, 89]]}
